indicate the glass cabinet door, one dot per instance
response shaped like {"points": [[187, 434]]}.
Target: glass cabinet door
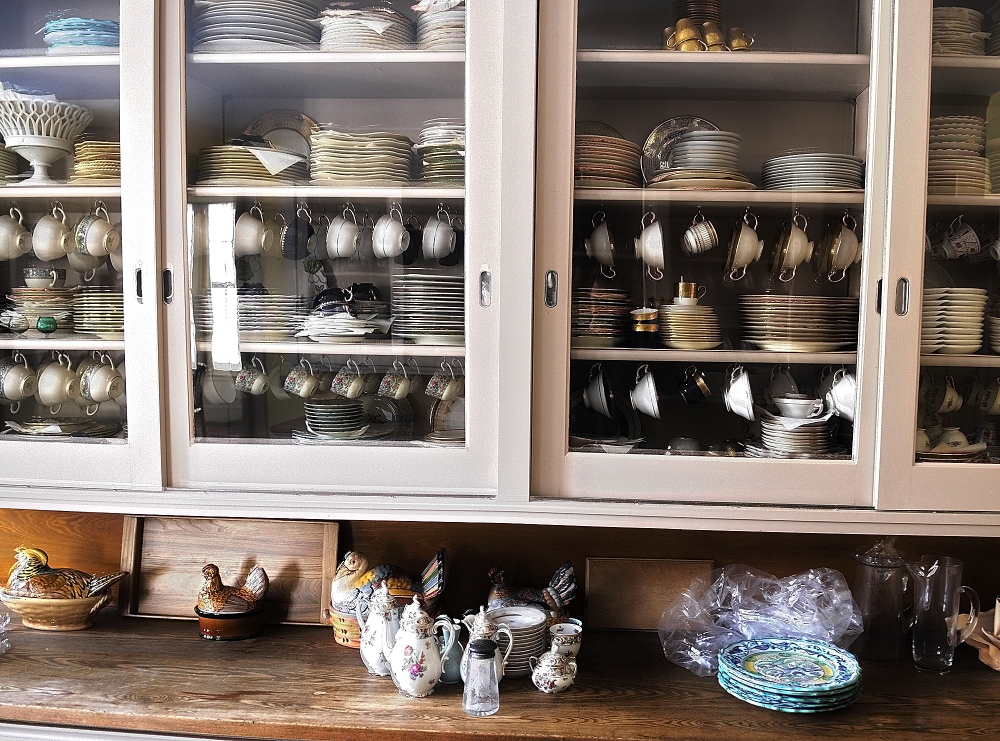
{"points": [[709, 178], [79, 222], [335, 326]]}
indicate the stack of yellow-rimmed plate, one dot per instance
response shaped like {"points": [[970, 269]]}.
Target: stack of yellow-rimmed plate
{"points": [[97, 163], [240, 165], [607, 162], [799, 323], [956, 165], [100, 311], [952, 321], [360, 158], [689, 327]]}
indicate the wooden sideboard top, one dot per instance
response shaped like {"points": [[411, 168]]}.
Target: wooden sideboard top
{"points": [[295, 683]]}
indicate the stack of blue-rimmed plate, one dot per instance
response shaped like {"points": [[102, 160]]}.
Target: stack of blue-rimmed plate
{"points": [[80, 36], [793, 676]]}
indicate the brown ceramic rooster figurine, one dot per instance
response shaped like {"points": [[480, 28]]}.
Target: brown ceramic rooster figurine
{"points": [[553, 598], [31, 576], [216, 598], [354, 581]]}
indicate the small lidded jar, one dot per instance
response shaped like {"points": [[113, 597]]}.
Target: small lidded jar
{"points": [[482, 686], [645, 327]]}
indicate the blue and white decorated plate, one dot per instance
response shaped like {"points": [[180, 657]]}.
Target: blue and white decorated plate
{"points": [[791, 667], [787, 703]]}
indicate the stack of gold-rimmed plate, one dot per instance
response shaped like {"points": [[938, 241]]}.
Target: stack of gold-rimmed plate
{"points": [[57, 303], [601, 317], [440, 27], [704, 160], [800, 438], [799, 323], [100, 311], [952, 321], [958, 32], [97, 163], [441, 151], [360, 158], [241, 165], [261, 317], [428, 308], [607, 162], [336, 418], [699, 11], [377, 28], [956, 163], [685, 327]]}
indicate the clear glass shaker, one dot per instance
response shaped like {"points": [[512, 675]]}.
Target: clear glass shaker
{"points": [[482, 688]]}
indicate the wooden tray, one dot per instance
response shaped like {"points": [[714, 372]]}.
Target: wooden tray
{"points": [[164, 557]]}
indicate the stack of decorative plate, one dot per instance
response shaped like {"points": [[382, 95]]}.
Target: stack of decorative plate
{"points": [[57, 303], [260, 316], [441, 28], [428, 308], [706, 160], [336, 419], [956, 165], [8, 165], [441, 150], [699, 11], [239, 165], [255, 25], [799, 323], [807, 438], [362, 158], [814, 171], [689, 327], [527, 628], [952, 321], [100, 311], [378, 28], [993, 328], [97, 163], [75, 36], [793, 676], [958, 32], [607, 162], [601, 317]]}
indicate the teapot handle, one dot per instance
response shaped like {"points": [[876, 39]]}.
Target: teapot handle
{"points": [[504, 630], [572, 666], [532, 662], [450, 630], [973, 614], [358, 613]]}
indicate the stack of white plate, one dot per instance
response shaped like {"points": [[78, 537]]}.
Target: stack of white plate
{"points": [[813, 171], [238, 165], [99, 311], [799, 323], [378, 28], [97, 163], [689, 327], [527, 628], [806, 439], [255, 25], [993, 326], [607, 162], [441, 149], [952, 321], [336, 419], [956, 165], [958, 32], [601, 317], [700, 11], [8, 165], [57, 303], [993, 42], [442, 30], [428, 308], [260, 317], [704, 160], [341, 328], [362, 158]]}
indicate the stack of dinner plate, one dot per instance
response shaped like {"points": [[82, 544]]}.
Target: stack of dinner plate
{"points": [[360, 158], [255, 25], [8, 165], [441, 150], [428, 308], [993, 42], [993, 328], [607, 162], [74, 36], [342, 327], [336, 419], [813, 171], [699, 11], [952, 320], [42, 427], [440, 27], [805, 438], [793, 676], [689, 327], [527, 628], [703, 159], [601, 317], [239, 165], [100, 311], [97, 163], [57, 303], [259, 316], [956, 162], [799, 323], [354, 28], [958, 32]]}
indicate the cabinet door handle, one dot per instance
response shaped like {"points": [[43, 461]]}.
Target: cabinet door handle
{"points": [[878, 297], [485, 286], [551, 289], [902, 296], [138, 285], [167, 282]]}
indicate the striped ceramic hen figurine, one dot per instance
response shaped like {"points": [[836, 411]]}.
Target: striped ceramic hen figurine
{"points": [[553, 599], [354, 581], [31, 576], [216, 598]]}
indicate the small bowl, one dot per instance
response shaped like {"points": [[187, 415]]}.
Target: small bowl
{"points": [[230, 626], [43, 613]]}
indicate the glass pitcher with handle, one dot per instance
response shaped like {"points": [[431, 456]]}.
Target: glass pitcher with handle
{"points": [[937, 590], [880, 590]]}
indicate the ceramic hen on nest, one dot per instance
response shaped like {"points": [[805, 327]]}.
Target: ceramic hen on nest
{"points": [[553, 599], [31, 576], [354, 580], [216, 598]]}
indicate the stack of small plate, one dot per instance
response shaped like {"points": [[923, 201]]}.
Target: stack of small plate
{"points": [[793, 676], [601, 317], [814, 171], [956, 165], [363, 158], [699, 11], [74, 36], [953, 320], [378, 28], [689, 327], [993, 327], [100, 311], [442, 30], [958, 32], [97, 163], [607, 162], [428, 308], [260, 316], [703, 160], [336, 419], [808, 438], [441, 149], [57, 303], [527, 628], [239, 165], [255, 25], [799, 323]]}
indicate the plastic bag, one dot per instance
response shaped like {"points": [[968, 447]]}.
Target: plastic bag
{"points": [[738, 602]]}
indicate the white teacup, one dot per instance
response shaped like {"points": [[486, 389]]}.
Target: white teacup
{"points": [[845, 250], [792, 249], [644, 397], [390, 238], [273, 236], [597, 396], [699, 237], [15, 240], [990, 400], [115, 258], [600, 245], [943, 398], [843, 396], [39, 277], [738, 395], [745, 247], [366, 235], [100, 382], [95, 235], [217, 387], [86, 265], [827, 377], [781, 385], [52, 238], [58, 384], [17, 380], [439, 237], [249, 232], [921, 442], [648, 246], [342, 235], [953, 438], [799, 406]]}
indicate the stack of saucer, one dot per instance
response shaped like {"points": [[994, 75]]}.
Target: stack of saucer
{"points": [[952, 321], [805, 438], [689, 327], [240, 165], [601, 317], [527, 628], [378, 28], [956, 165], [607, 162], [993, 326], [97, 163], [704, 159], [792, 676], [57, 303], [813, 171], [360, 158], [100, 311], [799, 323], [958, 32], [441, 29], [336, 419], [441, 150]]}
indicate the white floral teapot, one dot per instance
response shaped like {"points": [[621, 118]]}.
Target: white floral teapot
{"points": [[552, 672], [415, 658], [382, 624], [480, 626]]}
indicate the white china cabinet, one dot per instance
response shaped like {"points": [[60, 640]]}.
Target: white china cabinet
{"points": [[812, 85], [103, 308]]}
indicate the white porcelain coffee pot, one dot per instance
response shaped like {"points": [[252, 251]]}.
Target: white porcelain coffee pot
{"points": [[481, 626], [379, 629], [416, 658]]}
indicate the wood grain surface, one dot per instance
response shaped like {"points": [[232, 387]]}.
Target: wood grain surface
{"points": [[294, 682]]}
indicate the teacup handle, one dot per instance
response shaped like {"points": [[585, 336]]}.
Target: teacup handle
{"points": [[443, 215], [785, 276], [702, 290], [15, 407], [396, 212], [795, 220], [368, 359], [89, 275], [259, 363], [657, 275], [54, 409], [257, 210], [504, 630], [735, 274], [608, 272], [307, 365], [746, 219], [640, 371], [595, 221], [849, 221], [349, 211], [92, 409], [19, 358], [532, 662], [101, 210], [652, 218], [595, 370], [400, 368], [15, 213], [58, 212], [835, 276], [302, 209], [351, 365]]}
